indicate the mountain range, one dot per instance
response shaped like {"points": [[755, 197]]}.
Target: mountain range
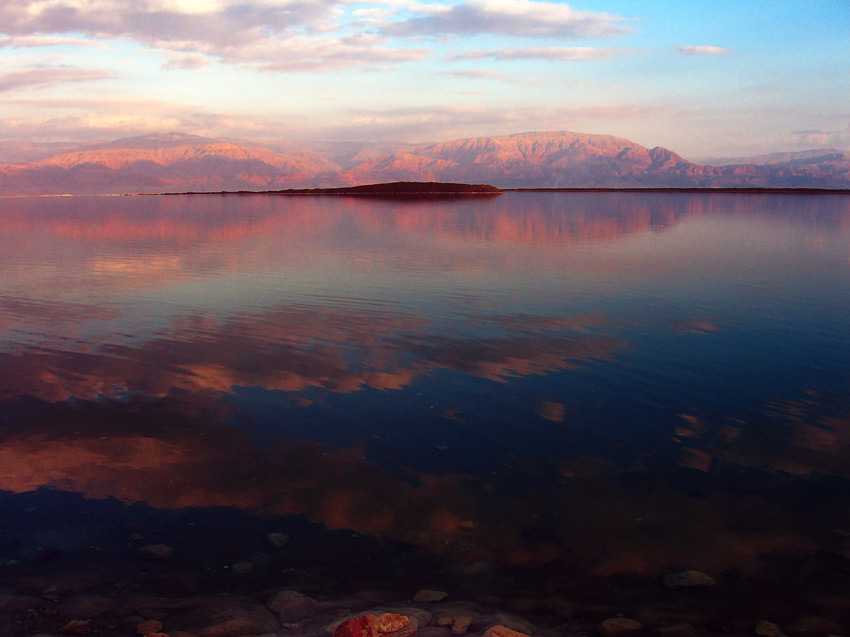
{"points": [[177, 162]]}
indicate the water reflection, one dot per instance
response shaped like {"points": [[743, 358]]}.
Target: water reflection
{"points": [[612, 383]]}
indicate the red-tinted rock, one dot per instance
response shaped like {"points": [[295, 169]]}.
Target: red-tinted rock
{"points": [[76, 627], [618, 626], [388, 624], [502, 631], [461, 624]]}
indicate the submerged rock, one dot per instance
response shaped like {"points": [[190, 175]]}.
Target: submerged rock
{"points": [[768, 629], [677, 630], [429, 595], [386, 625], [224, 616], [688, 579], [292, 606], [617, 626], [148, 627], [76, 627], [277, 540], [461, 624], [155, 552], [502, 631]]}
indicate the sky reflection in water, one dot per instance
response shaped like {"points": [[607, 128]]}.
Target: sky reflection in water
{"points": [[585, 378]]}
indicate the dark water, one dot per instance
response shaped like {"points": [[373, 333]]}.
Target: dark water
{"points": [[549, 393]]}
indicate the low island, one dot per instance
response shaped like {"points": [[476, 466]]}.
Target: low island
{"points": [[393, 189]]}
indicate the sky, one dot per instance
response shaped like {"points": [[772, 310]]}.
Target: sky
{"points": [[705, 79]]}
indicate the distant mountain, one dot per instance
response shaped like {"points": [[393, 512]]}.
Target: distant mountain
{"points": [[177, 162], [534, 160], [172, 162]]}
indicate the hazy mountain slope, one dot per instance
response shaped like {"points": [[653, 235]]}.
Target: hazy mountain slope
{"points": [[171, 162], [813, 156], [556, 159], [178, 163]]}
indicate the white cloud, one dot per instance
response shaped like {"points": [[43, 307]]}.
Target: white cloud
{"points": [[703, 50]]}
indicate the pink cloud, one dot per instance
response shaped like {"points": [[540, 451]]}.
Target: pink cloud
{"points": [[513, 17], [559, 53], [41, 77]]}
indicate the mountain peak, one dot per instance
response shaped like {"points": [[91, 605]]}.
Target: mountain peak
{"points": [[174, 161]]}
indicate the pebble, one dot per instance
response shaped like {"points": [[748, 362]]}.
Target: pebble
{"points": [[292, 606], [390, 624], [429, 595], [688, 579], [677, 630], [768, 629], [461, 625], [277, 540], [502, 631], [155, 552], [149, 626], [76, 627], [617, 626]]}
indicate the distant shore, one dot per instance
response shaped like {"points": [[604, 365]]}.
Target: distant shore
{"points": [[393, 189], [428, 189]]}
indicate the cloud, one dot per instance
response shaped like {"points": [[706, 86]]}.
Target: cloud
{"points": [[512, 17], [272, 34], [442, 122], [324, 54], [186, 61], [477, 74], [559, 54], [704, 50], [42, 77], [47, 40], [814, 138]]}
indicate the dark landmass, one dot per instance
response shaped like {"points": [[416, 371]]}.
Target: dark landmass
{"points": [[394, 189], [731, 189]]}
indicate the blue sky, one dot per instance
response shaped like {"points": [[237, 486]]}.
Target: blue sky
{"points": [[701, 78]]}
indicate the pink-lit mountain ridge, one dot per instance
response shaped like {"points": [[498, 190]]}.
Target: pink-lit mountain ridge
{"points": [[176, 162]]}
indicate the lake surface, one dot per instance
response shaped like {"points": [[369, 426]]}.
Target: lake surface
{"points": [[528, 395]]}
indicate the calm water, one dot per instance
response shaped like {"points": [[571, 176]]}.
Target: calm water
{"points": [[540, 388]]}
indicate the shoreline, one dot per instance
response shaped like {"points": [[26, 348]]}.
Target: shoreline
{"points": [[482, 190]]}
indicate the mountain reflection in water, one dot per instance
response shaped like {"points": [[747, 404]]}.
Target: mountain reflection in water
{"points": [[604, 383]]}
